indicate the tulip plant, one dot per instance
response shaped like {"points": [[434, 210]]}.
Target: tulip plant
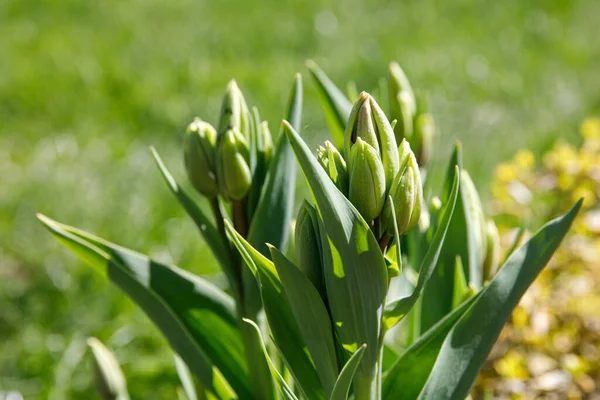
{"points": [[376, 259]]}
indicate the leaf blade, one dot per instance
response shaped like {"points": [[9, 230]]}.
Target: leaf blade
{"points": [[196, 317], [344, 380], [312, 318], [271, 220], [334, 102], [469, 341]]}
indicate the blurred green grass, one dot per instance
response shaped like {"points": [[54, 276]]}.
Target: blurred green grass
{"points": [[86, 87]]}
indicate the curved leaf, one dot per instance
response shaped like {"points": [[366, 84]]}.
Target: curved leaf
{"points": [[312, 318], [395, 311], [196, 317], [271, 220], [334, 102], [468, 343], [461, 242], [281, 319], [282, 386], [110, 381], [343, 382], [185, 377], [205, 225], [354, 269], [407, 376]]}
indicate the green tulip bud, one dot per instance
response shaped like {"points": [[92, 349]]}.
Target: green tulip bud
{"points": [[234, 111], [402, 102], [368, 122], [367, 180], [265, 146], [406, 193], [492, 254], [199, 157], [307, 240], [473, 202], [423, 137], [334, 164], [233, 171]]}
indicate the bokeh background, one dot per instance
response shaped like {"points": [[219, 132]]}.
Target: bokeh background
{"points": [[86, 87]]}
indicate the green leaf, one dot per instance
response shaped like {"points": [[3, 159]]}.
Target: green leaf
{"points": [[405, 379], [336, 105], [110, 381], [280, 316], [185, 377], [354, 269], [398, 309], [271, 220], [312, 318], [469, 342], [461, 289], [343, 382], [282, 386], [205, 225], [460, 241], [196, 317]]}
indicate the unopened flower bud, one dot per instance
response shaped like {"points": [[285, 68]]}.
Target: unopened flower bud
{"points": [[308, 245], [234, 111], [424, 130], [265, 144], [368, 122], [367, 180], [334, 164], [199, 157], [406, 193], [492, 254], [477, 216], [233, 171], [402, 102]]}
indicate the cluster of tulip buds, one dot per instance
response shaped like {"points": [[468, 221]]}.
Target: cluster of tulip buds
{"points": [[379, 175], [217, 161]]}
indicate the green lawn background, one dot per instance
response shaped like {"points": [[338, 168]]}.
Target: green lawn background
{"points": [[86, 87]]}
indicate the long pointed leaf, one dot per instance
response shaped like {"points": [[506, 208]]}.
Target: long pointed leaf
{"points": [[398, 309], [354, 269], [110, 381], [205, 225], [343, 382], [460, 241], [185, 377], [405, 379], [196, 317], [271, 220], [282, 386], [280, 316], [468, 343], [312, 318], [334, 102]]}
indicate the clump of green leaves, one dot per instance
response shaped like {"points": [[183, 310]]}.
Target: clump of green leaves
{"points": [[373, 252]]}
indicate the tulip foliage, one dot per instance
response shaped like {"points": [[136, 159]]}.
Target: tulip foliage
{"points": [[392, 293]]}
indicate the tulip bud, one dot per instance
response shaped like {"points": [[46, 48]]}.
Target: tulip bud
{"points": [[492, 254], [199, 157], [424, 130], [402, 102], [233, 172], [368, 122], [234, 111], [405, 193], [308, 245], [334, 164], [265, 143], [473, 203], [367, 180]]}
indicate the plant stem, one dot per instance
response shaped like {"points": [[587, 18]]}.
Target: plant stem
{"points": [[240, 219], [384, 241]]}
